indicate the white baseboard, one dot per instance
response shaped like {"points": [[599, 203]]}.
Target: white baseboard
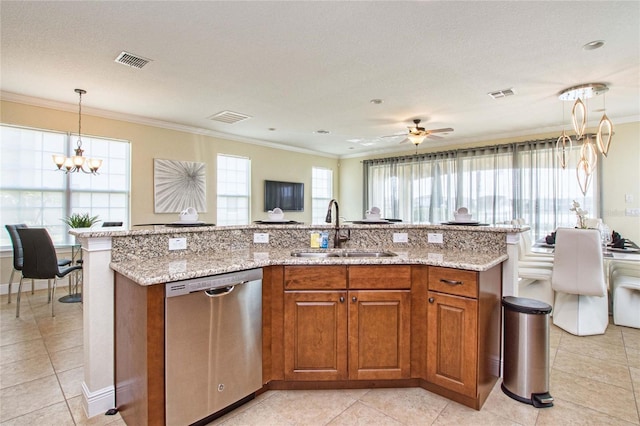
{"points": [[26, 286], [98, 402]]}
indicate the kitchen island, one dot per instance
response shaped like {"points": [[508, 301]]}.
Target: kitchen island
{"points": [[142, 257]]}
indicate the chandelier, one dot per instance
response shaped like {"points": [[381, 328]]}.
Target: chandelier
{"points": [[588, 154], [77, 162]]}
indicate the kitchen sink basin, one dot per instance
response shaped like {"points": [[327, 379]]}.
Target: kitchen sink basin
{"points": [[343, 254]]}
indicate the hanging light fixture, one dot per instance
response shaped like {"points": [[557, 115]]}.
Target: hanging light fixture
{"points": [[77, 162], [605, 130], [564, 146]]}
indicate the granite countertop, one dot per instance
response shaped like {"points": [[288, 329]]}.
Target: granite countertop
{"points": [[180, 267]]}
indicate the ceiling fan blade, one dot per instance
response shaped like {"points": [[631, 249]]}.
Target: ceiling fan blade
{"points": [[434, 137], [404, 140], [396, 135], [448, 129]]}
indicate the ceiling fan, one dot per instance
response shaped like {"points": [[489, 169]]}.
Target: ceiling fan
{"points": [[418, 134]]}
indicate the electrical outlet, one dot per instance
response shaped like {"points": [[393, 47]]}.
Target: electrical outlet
{"points": [[628, 198], [632, 212], [177, 243], [434, 238], [400, 237], [261, 237]]}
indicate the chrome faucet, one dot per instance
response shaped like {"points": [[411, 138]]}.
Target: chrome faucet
{"points": [[339, 238]]}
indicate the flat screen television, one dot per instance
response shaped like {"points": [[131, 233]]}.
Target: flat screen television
{"points": [[289, 196]]}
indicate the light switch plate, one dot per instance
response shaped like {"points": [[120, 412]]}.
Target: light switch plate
{"points": [[434, 238], [260, 237], [632, 212], [400, 237], [177, 243], [628, 198]]}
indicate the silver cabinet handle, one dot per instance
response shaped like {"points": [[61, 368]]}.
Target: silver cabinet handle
{"points": [[431, 300], [354, 299], [341, 299], [450, 282]]}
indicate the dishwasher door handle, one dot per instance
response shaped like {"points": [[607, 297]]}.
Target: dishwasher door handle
{"points": [[221, 291]]}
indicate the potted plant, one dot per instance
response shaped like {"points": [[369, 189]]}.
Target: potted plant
{"points": [[80, 220]]}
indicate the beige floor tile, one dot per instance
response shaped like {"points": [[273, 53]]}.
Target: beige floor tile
{"points": [[631, 337], [79, 416], [67, 359], [25, 370], [28, 332], [63, 322], [567, 413], [71, 382], [500, 404], [633, 357], [22, 350], [62, 341], [246, 406], [320, 406], [28, 397], [635, 377], [611, 337], [407, 405], [361, 414], [604, 398], [457, 414], [56, 414], [594, 349], [43, 310], [592, 368], [8, 320], [261, 414]]}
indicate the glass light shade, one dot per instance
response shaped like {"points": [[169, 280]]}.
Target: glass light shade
{"points": [[563, 147], [605, 132], [68, 163], [416, 139], [78, 161], [94, 164], [58, 159], [579, 118], [589, 154], [583, 172]]}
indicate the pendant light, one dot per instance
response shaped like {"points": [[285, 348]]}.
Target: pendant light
{"points": [[563, 146], [77, 162], [605, 130]]}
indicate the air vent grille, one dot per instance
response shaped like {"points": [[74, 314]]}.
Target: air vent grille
{"points": [[229, 117], [502, 93], [132, 60]]}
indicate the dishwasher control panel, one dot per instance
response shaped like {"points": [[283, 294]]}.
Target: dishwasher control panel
{"points": [[179, 288]]}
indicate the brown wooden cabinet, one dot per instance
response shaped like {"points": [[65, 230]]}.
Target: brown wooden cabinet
{"points": [[463, 332], [319, 322]]}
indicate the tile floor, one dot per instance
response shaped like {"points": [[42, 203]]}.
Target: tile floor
{"points": [[594, 380]]}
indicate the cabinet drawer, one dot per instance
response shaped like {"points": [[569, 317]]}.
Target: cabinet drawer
{"points": [[380, 277], [315, 277], [453, 281]]}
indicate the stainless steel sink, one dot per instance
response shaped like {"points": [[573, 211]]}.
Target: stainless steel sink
{"points": [[343, 253]]}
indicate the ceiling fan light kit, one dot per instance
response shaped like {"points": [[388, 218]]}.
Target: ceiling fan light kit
{"points": [[588, 153]]}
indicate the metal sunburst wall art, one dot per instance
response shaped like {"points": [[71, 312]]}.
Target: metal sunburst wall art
{"points": [[178, 185]]}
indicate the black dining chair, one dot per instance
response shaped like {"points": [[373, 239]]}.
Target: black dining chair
{"points": [[17, 255], [110, 224], [40, 262]]}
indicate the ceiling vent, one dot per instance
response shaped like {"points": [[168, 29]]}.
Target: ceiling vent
{"points": [[502, 93], [229, 117], [131, 60]]}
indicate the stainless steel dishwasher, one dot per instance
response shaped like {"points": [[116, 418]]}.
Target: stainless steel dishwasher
{"points": [[213, 344]]}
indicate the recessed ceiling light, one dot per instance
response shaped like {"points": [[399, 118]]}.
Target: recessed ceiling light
{"points": [[272, 129], [376, 101], [322, 132], [593, 45]]}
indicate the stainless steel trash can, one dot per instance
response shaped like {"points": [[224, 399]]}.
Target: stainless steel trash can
{"points": [[526, 351]]}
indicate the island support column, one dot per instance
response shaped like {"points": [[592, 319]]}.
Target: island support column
{"points": [[98, 390], [510, 266]]}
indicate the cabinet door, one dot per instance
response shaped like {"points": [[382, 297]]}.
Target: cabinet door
{"points": [[452, 347], [379, 334], [315, 335]]}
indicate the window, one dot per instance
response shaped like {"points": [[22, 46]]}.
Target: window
{"points": [[234, 190], [34, 192], [321, 193], [497, 184]]}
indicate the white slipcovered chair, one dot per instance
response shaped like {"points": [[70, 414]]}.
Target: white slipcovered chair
{"points": [[534, 270], [624, 279], [581, 304]]}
